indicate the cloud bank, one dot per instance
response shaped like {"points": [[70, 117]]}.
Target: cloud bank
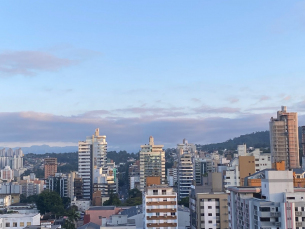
{"points": [[28, 63]]}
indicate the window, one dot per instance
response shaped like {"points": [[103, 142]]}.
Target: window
{"points": [[155, 192], [163, 192], [210, 214], [209, 207], [7, 224], [210, 221], [157, 213], [164, 199], [28, 223], [173, 213], [14, 224], [100, 217], [21, 224]]}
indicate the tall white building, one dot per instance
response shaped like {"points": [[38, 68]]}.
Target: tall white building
{"points": [[275, 205], [186, 166], [92, 154], [160, 207], [152, 162]]}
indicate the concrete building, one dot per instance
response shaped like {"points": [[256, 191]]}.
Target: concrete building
{"points": [[92, 154], [186, 153], [134, 175], [284, 140], [172, 177], [160, 207], [82, 205], [50, 167], [19, 221], [208, 210], [243, 166], [31, 187], [5, 201], [152, 162], [10, 188], [202, 168], [95, 214], [275, 205], [58, 183], [303, 147], [118, 222], [7, 174]]}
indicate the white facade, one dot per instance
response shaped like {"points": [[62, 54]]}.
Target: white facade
{"points": [[82, 205], [134, 180], [152, 162], [19, 221], [160, 207], [172, 176], [7, 173], [186, 153], [275, 205], [5, 201], [92, 154], [242, 150]]}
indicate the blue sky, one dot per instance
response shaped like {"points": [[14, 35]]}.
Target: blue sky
{"points": [[202, 70]]}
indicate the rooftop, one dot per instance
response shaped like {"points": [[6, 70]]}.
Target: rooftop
{"points": [[92, 208], [19, 215]]}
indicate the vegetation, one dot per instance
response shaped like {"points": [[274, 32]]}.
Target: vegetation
{"points": [[29, 199], [135, 198], [73, 216], [121, 156], [50, 202], [113, 200], [184, 201]]}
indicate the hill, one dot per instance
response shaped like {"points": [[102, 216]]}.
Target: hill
{"points": [[257, 139]]}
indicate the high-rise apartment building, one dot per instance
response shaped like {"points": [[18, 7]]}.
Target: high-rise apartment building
{"points": [[186, 166], [7, 174], [160, 207], [208, 210], [275, 205], [152, 162], [92, 154], [11, 158], [284, 139], [50, 167]]}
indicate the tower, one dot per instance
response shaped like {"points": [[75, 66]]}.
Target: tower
{"points": [[284, 140]]}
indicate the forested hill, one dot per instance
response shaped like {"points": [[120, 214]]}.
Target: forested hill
{"points": [[258, 140]]}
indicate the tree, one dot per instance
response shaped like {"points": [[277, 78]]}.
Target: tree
{"points": [[72, 218], [113, 200], [184, 201], [49, 201]]}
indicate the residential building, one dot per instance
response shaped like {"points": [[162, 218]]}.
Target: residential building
{"points": [[276, 204], [19, 221], [160, 207], [186, 153], [78, 188], [118, 221], [10, 188], [172, 176], [152, 162], [82, 205], [58, 183], [7, 173], [134, 175], [95, 214], [30, 187], [303, 147], [11, 158], [208, 210], [92, 154], [5, 201], [202, 168], [50, 167], [284, 140]]}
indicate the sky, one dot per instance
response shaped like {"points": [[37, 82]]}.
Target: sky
{"points": [[202, 70]]}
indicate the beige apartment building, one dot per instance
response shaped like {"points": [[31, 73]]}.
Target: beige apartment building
{"points": [[152, 162], [208, 210], [50, 167], [284, 141], [160, 207]]}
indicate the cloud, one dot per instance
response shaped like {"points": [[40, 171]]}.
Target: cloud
{"points": [[233, 100], [211, 110], [287, 98], [264, 98], [125, 133], [28, 63]]}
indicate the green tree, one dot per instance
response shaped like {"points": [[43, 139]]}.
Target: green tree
{"points": [[113, 200], [184, 201], [49, 201], [73, 216]]}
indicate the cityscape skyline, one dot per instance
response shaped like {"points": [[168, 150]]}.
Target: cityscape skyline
{"points": [[172, 70]]}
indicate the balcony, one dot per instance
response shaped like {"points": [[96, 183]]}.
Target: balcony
{"points": [[162, 210], [161, 217], [162, 225], [161, 203]]}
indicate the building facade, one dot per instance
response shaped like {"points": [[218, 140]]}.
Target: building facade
{"points": [[50, 167], [208, 210], [92, 154], [284, 139], [160, 207], [152, 162]]}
